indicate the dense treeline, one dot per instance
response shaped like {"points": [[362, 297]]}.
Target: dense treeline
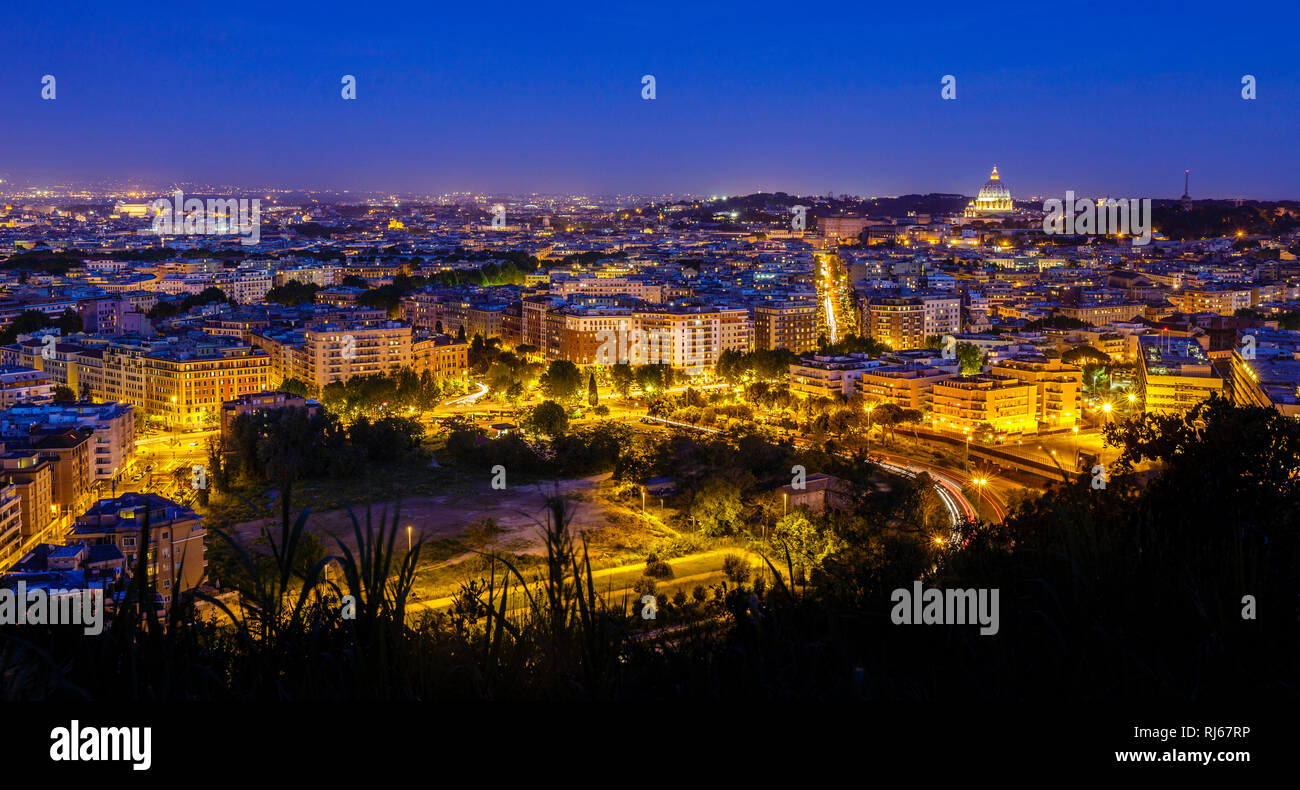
{"points": [[289, 444], [167, 309], [29, 321]]}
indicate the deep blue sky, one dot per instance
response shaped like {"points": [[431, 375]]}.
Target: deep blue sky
{"points": [[1101, 98]]}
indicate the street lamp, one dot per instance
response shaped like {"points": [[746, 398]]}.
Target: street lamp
{"points": [[870, 407], [980, 482], [408, 538]]}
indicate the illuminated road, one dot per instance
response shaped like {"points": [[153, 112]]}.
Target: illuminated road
{"points": [[465, 400]]}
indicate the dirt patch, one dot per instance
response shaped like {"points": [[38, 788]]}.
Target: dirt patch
{"points": [[518, 512]]}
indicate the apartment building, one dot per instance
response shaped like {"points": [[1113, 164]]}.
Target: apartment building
{"points": [[324, 275], [907, 386], [24, 385], [33, 479], [112, 426], [174, 543], [1059, 387], [1175, 374], [182, 381], [908, 321], [691, 339], [117, 315], [1270, 382], [789, 324], [1103, 313], [636, 286], [186, 387], [532, 318], [69, 453], [11, 522], [1003, 403], [443, 356], [1209, 299], [328, 353], [829, 376], [578, 333]]}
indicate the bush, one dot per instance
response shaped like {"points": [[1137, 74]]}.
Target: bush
{"points": [[679, 598], [680, 546], [657, 568], [699, 593], [644, 586], [736, 568]]}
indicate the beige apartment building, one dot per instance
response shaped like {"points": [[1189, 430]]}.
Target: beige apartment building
{"points": [[905, 386], [184, 384], [828, 376], [331, 353], [442, 355], [112, 425], [1059, 387], [1006, 404], [1223, 301], [687, 339]]}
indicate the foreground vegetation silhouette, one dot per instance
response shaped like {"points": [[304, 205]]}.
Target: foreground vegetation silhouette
{"points": [[1134, 591]]}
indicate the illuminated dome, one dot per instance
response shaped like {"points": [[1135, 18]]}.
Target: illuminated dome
{"points": [[993, 198]]}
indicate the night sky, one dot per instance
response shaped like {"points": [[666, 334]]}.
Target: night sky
{"points": [[800, 97]]}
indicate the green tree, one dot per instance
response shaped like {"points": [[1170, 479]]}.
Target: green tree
{"points": [[716, 507], [293, 293], [548, 418], [562, 380], [593, 394], [28, 321], [807, 542], [622, 378], [970, 358]]}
